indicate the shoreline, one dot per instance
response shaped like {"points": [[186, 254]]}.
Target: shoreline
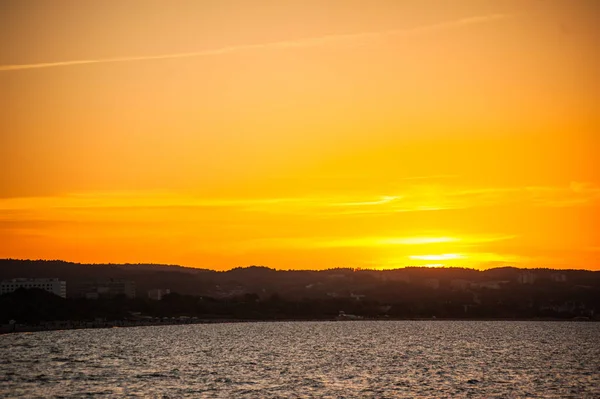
{"points": [[72, 325]]}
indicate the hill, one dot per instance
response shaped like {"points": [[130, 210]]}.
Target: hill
{"points": [[263, 293]]}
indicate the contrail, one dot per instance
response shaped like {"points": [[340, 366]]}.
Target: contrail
{"points": [[299, 43]]}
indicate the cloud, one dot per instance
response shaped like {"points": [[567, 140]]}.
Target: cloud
{"points": [[437, 257], [461, 242], [430, 177], [577, 194], [411, 199], [384, 200], [350, 38]]}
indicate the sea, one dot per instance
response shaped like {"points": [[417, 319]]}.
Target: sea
{"points": [[338, 359]]}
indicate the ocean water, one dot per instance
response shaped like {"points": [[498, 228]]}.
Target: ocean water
{"points": [[350, 359]]}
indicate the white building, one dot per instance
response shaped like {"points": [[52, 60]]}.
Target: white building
{"points": [[53, 285]]}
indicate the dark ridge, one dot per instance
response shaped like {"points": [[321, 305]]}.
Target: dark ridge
{"points": [[262, 293]]}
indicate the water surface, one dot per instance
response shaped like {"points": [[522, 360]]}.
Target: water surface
{"points": [[379, 359]]}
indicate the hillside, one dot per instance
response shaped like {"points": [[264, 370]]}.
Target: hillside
{"points": [[385, 284]]}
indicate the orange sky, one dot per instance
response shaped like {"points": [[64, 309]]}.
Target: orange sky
{"points": [[301, 134]]}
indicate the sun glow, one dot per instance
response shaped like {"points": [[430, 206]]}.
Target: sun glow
{"points": [[418, 240], [437, 257]]}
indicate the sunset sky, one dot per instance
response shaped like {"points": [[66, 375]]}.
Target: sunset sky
{"points": [[301, 134]]}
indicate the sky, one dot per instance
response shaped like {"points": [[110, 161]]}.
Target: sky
{"points": [[301, 134]]}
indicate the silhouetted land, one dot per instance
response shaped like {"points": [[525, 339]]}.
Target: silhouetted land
{"points": [[260, 293]]}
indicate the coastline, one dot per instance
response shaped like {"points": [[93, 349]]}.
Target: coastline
{"points": [[75, 325]]}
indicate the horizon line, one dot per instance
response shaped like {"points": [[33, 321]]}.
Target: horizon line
{"points": [[358, 268]]}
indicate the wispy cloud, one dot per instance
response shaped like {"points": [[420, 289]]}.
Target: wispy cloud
{"points": [[429, 177], [411, 199], [349, 38], [437, 257], [384, 200], [462, 242]]}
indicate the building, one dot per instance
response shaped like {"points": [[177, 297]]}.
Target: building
{"points": [[158, 293], [558, 277], [102, 288], [358, 297], [53, 285], [526, 278], [490, 285]]}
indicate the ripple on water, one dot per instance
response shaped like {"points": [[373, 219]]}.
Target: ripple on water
{"points": [[402, 359]]}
